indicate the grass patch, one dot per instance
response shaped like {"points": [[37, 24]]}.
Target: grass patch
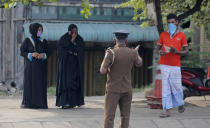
{"points": [[142, 88], [51, 91], [138, 89], [2, 93]]}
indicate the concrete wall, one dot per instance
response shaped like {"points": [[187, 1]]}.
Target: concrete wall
{"points": [[11, 36]]}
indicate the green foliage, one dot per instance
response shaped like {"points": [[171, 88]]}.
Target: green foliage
{"points": [[172, 6], [139, 7], [11, 3], [180, 6], [2, 93], [140, 11], [194, 60], [207, 30], [51, 91], [86, 8]]}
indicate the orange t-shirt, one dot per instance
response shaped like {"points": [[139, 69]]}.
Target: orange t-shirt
{"points": [[177, 41]]}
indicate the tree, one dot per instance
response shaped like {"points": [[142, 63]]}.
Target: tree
{"points": [[7, 4], [196, 11]]}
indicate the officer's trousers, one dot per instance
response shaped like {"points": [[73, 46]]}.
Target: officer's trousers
{"points": [[113, 99]]}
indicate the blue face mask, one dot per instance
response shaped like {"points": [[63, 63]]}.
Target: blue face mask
{"points": [[172, 28]]}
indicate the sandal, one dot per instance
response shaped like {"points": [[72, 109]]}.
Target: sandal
{"points": [[164, 115], [181, 109]]}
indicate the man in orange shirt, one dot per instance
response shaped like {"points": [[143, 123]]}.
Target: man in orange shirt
{"points": [[171, 45]]}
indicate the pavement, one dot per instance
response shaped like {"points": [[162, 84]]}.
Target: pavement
{"points": [[197, 114]]}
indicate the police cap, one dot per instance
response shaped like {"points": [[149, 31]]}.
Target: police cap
{"points": [[121, 34]]}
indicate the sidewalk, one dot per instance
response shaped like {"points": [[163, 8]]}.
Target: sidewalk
{"points": [[197, 114]]}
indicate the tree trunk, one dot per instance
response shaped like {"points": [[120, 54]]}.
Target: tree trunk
{"points": [[154, 14], [159, 16]]}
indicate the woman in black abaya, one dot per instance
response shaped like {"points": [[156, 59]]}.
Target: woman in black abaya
{"points": [[34, 49], [70, 75]]}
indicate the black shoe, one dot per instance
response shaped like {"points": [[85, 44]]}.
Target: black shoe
{"points": [[66, 107]]}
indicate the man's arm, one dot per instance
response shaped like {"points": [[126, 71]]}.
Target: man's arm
{"points": [[184, 45], [184, 50], [159, 51]]}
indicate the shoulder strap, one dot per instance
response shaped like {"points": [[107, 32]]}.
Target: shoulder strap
{"points": [[113, 57], [32, 41], [41, 39]]}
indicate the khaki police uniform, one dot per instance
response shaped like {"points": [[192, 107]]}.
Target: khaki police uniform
{"points": [[118, 85]]}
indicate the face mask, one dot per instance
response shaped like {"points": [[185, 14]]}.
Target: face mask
{"points": [[172, 28], [39, 33]]}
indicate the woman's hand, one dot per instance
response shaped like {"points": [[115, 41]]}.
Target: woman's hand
{"points": [[73, 36], [35, 54], [40, 56]]}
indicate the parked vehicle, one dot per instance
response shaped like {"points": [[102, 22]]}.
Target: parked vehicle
{"points": [[193, 82]]}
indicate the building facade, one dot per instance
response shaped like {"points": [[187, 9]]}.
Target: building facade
{"points": [[96, 30]]}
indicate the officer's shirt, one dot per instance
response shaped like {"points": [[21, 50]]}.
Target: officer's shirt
{"points": [[119, 75]]}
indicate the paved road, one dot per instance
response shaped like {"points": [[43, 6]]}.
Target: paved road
{"points": [[197, 114]]}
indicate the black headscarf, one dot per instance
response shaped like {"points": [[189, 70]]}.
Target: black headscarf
{"points": [[71, 27], [33, 29]]}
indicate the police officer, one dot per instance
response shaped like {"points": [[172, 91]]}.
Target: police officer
{"points": [[118, 63]]}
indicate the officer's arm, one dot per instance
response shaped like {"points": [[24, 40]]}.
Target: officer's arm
{"points": [[103, 70], [106, 62], [138, 59]]}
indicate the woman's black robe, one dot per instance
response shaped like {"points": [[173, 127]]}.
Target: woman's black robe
{"points": [[35, 75], [70, 73]]}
